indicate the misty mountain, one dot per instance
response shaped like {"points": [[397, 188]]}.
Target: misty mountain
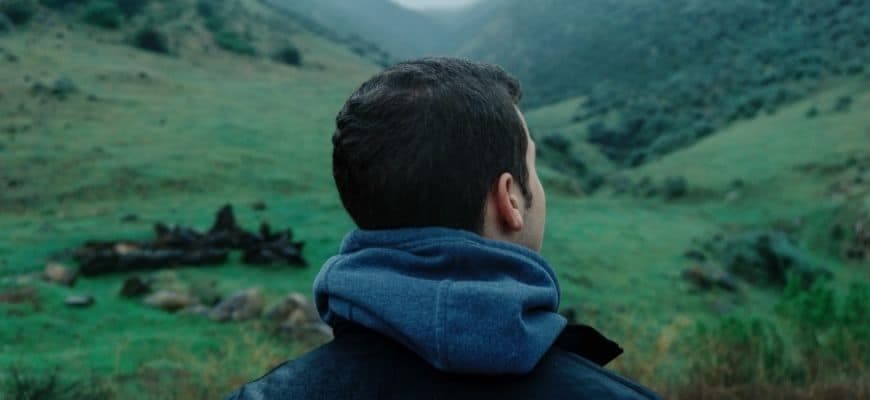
{"points": [[402, 32], [659, 75]]}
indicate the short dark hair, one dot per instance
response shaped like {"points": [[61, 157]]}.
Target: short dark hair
{"points": [[421, 144]]}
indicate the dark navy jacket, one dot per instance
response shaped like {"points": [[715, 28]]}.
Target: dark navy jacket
{"points": [[362, 364]]}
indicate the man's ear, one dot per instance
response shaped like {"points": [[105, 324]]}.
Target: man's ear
{"points": [[507, 205]]}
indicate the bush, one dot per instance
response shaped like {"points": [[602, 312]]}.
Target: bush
{"points": [[769, 258], [131, 7], [150, 39], [821, 339], [232, 41], [102, 13], [18, 11], [206, 8], [557, 142], [289, 55], [34, 386], [60, 4], [675, 187]]}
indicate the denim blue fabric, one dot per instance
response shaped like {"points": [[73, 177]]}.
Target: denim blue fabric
{"points": [[465, 304]]}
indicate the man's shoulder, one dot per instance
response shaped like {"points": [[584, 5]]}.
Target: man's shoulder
{"points": [[366, 365]]}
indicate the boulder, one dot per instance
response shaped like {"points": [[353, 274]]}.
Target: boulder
{"points": [[79, 301], [136, 286], [170, 301], [288, 305], [58, 273], [241, 306]]}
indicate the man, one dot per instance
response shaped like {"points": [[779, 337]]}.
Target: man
{"points": [[441, 293]]}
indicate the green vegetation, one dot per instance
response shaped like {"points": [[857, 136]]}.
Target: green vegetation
{"points": [[234, 42], [102, 13], [18, 11], [151, 39], [61, 4], [173, 138], [131, 7], [20, 385], [655, 83], [819, 336], [289, 55]]}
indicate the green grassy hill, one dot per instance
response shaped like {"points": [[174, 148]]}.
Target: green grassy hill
{"points": [[173, 137], [168, 138]]}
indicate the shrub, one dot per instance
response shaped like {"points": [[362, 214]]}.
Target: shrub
{"points": [[131, 7], [675, 187], [769, 258], [18, 11], [215, 24], [232, 41], [60, 4], [150, 39], [102, 13], [33, 386], [289, 55], [557, 142], [819, 344], [206, 8]]}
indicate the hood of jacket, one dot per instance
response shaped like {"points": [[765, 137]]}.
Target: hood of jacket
{"points": [[463, 303]]}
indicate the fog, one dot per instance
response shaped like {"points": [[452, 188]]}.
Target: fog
{"points": [[430, 4]]}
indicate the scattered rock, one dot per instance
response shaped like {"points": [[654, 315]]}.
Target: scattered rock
{"points": [[79, 301], [58, 273], [706, 277], [170, 301], [289, 305], [130, 218], [241, 306], [258, 206], [135, 286]]}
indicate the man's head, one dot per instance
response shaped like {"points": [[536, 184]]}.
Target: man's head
{"points": [[439, 142]]}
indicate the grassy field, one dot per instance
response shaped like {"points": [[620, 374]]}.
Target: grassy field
{"points": [[172, 138]]}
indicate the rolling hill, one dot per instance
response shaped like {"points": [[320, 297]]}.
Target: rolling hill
{"points": [[94, 130]]}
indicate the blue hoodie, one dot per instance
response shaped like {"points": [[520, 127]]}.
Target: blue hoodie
{"points": [[463, 303]]}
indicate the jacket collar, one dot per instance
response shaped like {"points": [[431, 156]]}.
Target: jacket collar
{"points": [[581, 340]]}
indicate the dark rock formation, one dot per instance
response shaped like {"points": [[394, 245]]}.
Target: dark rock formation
{"points": [[176, 246]]}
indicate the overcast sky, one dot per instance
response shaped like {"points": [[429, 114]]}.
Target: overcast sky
{"points": [[423, 4]]}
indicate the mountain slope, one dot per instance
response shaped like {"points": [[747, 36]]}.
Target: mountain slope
{"points": [[402, 32], [660, 75]]}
